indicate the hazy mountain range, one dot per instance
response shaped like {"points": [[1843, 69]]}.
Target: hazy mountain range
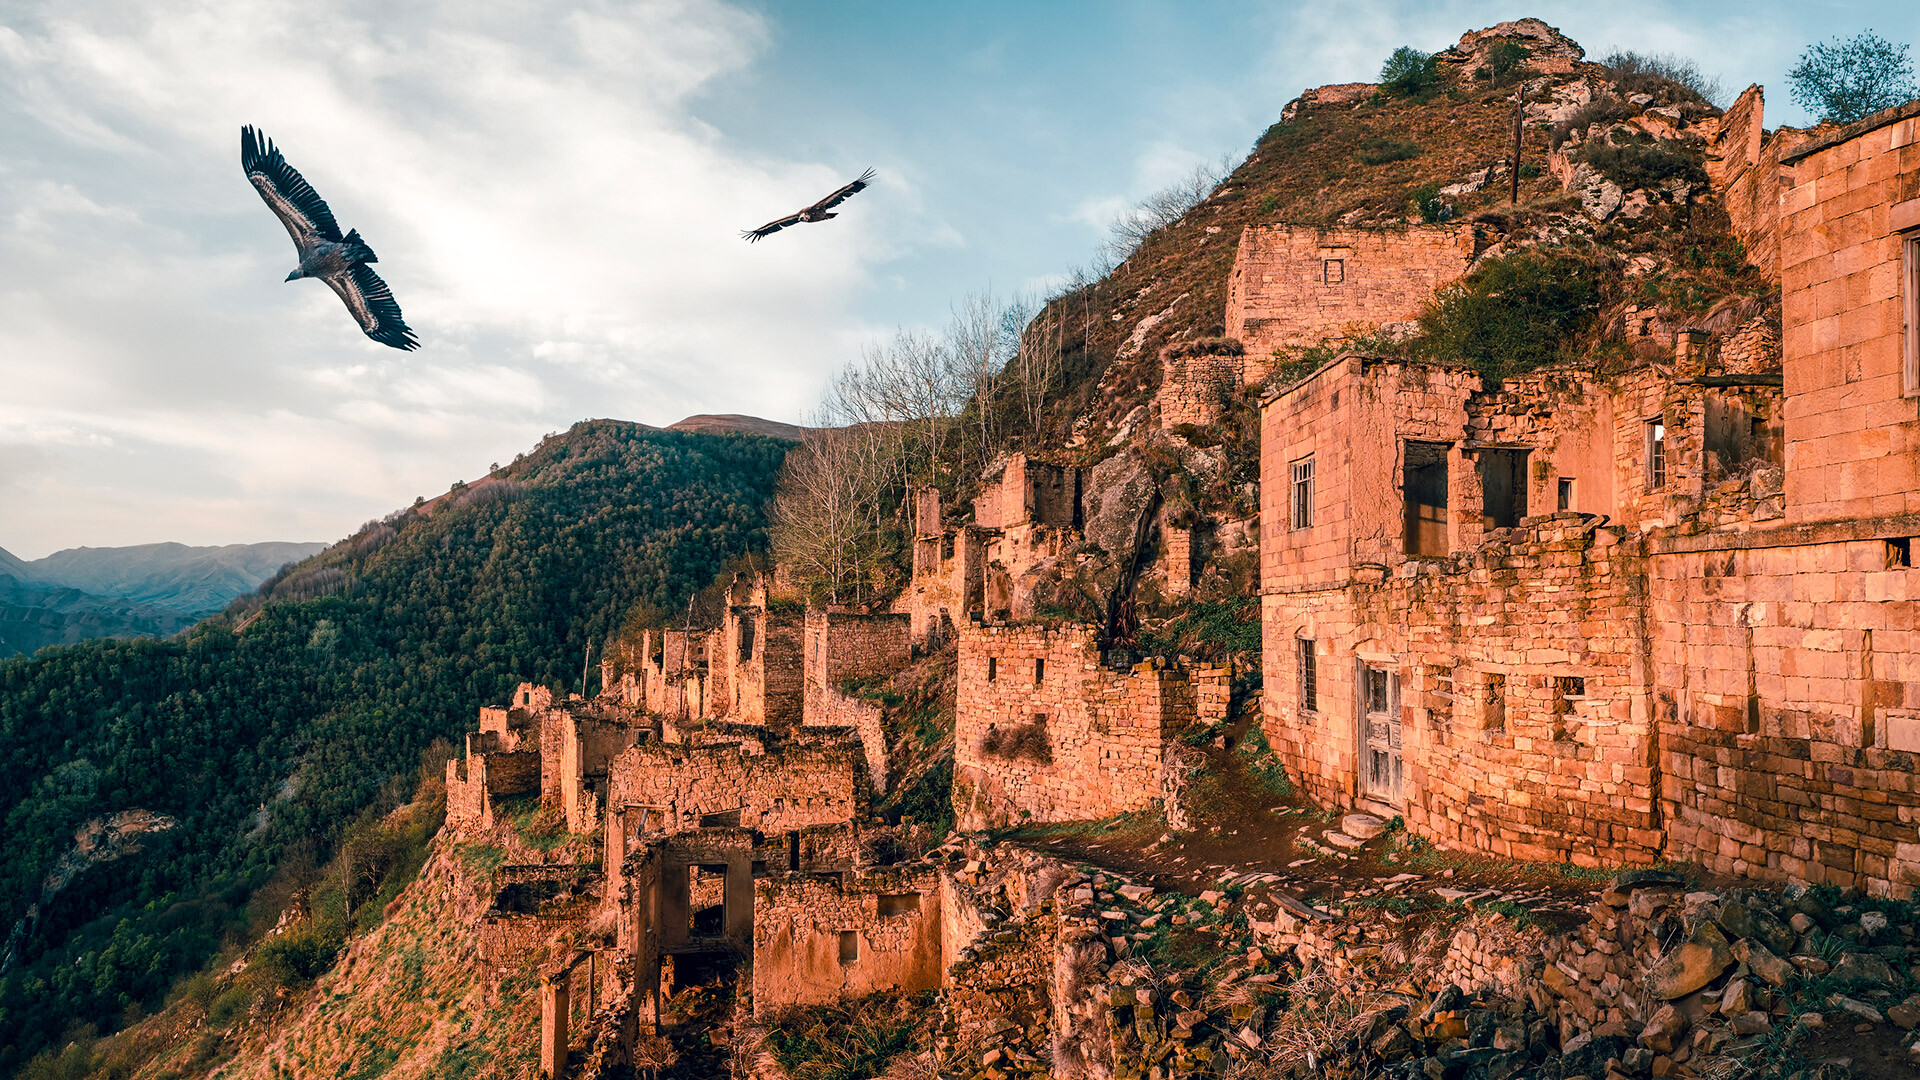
{"points": [[84, 592]]}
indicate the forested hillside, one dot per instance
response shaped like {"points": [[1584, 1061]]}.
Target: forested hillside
{"points": [[262, 732]]}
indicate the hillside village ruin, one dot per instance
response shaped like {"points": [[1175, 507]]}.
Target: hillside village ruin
{"points": [[1665, 615]]}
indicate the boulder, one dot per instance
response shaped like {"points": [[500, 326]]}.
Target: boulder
{"points": [[1663, 1030], [1906, 1015], [1635, 879], [1861, 967], [1697, 962], [1856, 1008], [1753, 1023], [1762, 962], [1116, 492], [1737, 998]]}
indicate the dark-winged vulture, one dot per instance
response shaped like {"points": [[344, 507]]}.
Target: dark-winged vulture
{"points": [[816, 212], [340, 261]]}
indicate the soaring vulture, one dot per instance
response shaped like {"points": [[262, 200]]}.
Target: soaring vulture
{"points": [[339, 261], [816, 212]]}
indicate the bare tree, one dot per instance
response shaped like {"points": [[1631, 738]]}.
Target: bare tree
{"points": [[1164, 207], [828, 516]]}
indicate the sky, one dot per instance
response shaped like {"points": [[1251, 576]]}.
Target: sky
{"points": [[556, 193]]}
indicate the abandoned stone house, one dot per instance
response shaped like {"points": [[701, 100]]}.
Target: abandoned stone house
{"points": [[1664, 614], [1044, 731]]}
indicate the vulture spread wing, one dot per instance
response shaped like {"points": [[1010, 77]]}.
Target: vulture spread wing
{"points": [[372, 305], [844, 193], [816, 212], [286, 192]]}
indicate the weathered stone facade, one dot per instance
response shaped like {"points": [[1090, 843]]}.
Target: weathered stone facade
{"points": [[1043, 731], [1295, 286], [818, 938], [1666, 614]]}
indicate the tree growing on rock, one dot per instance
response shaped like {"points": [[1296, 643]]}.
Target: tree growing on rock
{"points": [[1842, 81]]}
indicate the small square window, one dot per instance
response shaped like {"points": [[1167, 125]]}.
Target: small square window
{"points": [[1333, 271], [1564, 500], [1900, 553]]}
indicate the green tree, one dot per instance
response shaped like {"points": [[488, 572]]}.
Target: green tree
{"points": [[1844, 80], [1409, 73]]}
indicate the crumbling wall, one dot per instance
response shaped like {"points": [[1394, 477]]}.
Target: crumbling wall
{"points": [[1044, 732], [1294, 285], [805, 785], [1196, 384], [803, 954], [1789, 706], [843, 646]]}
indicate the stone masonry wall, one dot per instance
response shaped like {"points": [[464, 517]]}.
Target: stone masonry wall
{"points": [[1788, 674], [1076, 741], [1852, 418], [1297, 285], [1196, 389], [801, 955], [805, 785]]}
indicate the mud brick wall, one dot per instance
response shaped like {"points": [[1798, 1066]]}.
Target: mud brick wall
{"points": [[1789, 702], [773, 792], [798, 925], [1853, 433], [1103, 731], [1298, 285], [1196, 389]]}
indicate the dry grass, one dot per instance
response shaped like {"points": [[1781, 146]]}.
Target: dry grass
{"points": [[1323, 1015]]}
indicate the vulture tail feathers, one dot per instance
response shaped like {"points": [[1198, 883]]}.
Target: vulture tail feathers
{"points": [[357, 249]]}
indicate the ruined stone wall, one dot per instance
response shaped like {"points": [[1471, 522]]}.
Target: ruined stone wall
{"points": [[772, 792], [1497, 754], [769, 685], [1044, 732], [588, 746], [1852, 414], [1352, 420], [1297, 285], [948, 585], [841, 646], [1028, 492], [1195, 389], [802, 954], [476, 783], [1788, 675]]}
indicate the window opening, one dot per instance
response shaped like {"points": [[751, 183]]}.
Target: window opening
{"points": [[746, 638], [900, 904], [1900, 553], [1563, 500], [1333, 271], [1910, 259], [1309, 677], [1039, 671], [1567, 689], [1494, 703], [1503, 487], [1424, 486], [793, 851], [849, 946], [993, 668], [1440, 698], [1656, 452], [1303, 493]]}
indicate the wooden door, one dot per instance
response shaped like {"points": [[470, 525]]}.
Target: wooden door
{"points": [[1380, 733]]}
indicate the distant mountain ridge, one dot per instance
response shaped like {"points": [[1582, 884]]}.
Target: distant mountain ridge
{"points": [[146, 589], [191, 580]]}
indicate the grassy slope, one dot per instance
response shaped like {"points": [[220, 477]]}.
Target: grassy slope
{"points": [[410, 999]]}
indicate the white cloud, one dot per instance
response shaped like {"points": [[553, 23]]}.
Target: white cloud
{"points": [[559, 226]]}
